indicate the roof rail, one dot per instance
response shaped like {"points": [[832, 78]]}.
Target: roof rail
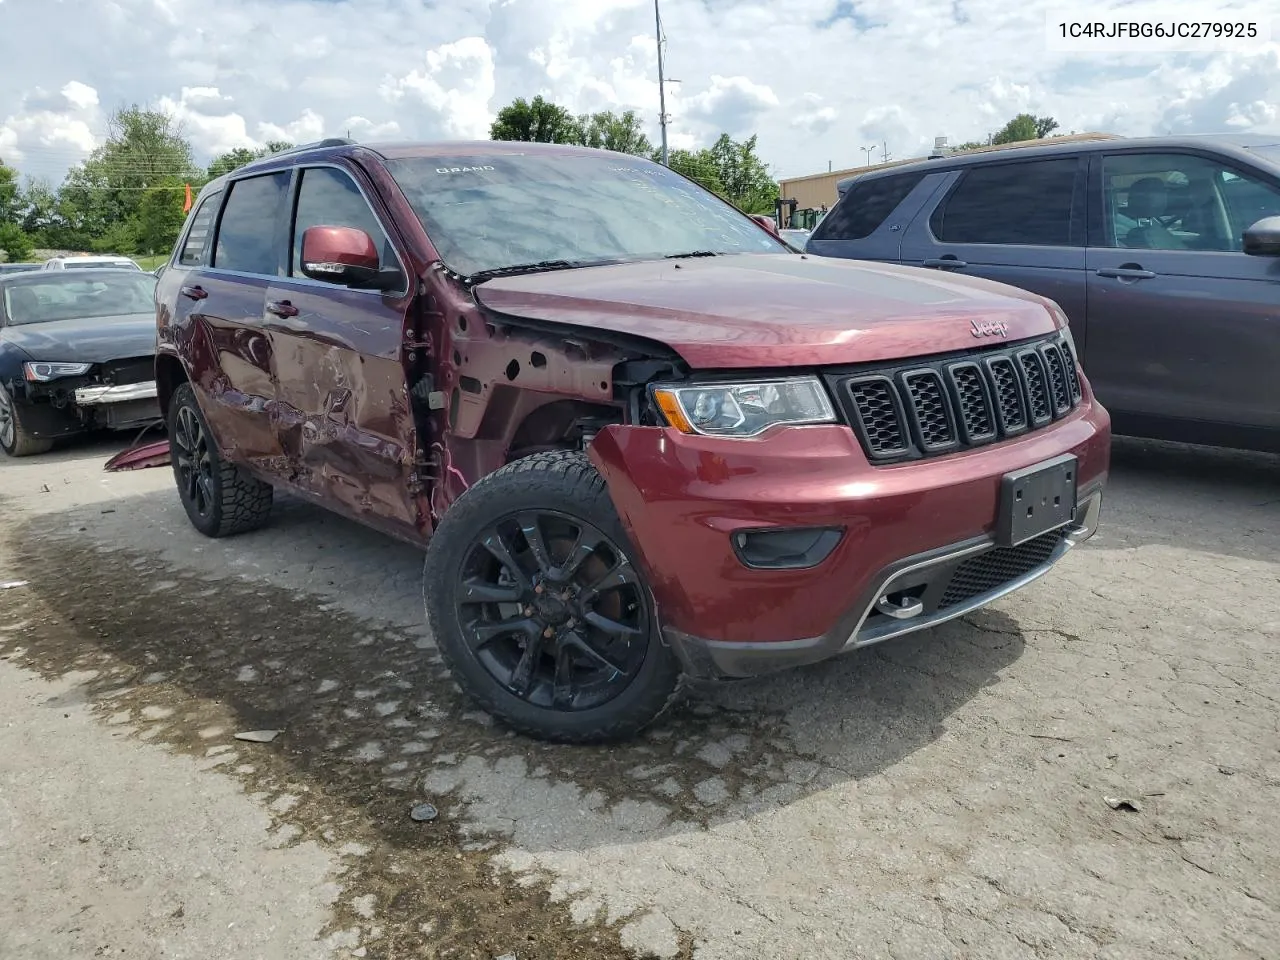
{"points": [[318, 144]]}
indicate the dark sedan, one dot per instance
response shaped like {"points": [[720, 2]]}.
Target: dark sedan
{"points": [[77, 353]]}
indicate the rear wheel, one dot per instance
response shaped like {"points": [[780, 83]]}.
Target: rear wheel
{"points": [[538, 609], [14, 439], [220, 498]]}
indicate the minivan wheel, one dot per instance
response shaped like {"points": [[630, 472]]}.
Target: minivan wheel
{"points": [[14, 440], [220, 498], [539, 610]]}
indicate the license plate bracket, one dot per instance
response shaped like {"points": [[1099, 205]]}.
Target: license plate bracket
{"points": [[1037, 499]]}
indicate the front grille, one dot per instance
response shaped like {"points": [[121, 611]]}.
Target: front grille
{"points": [[994, 568], [121, 372], [939, 405]]}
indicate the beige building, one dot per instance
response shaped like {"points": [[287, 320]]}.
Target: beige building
{"points": [[819, 189]]}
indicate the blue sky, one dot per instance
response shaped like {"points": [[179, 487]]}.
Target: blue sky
{"points": [[816, 79]]}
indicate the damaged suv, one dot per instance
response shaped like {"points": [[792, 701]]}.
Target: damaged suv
{"points": [[640, 438]]}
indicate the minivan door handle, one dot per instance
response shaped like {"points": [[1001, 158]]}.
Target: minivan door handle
{"points": [[1126, 271], [194, 292], [945, 263], [282, 308]]}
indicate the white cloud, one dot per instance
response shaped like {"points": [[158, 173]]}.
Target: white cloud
{"points": [[240, 72], [81, 96]]}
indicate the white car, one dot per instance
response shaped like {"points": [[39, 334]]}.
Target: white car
{"points": [[79, 263]]}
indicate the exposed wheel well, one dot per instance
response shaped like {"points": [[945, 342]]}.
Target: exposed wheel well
{"points": [[561, 425], [169, 376]]}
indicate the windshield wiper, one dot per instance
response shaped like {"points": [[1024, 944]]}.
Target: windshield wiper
{"points": [[542, 266], [691, 253]]}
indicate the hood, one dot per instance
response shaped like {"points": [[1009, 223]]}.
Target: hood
{"points": [[95, 340], [784, 310]]}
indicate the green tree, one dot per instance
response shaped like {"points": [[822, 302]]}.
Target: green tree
{"points": [[698, 165], [15, 242], [747, 181], [234, 159], [1025, 126], [538, 120], [10, 194], [620, 132], [160, 217], [144, 148]]}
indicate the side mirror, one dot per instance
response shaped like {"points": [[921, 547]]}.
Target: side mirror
{"points": [[766, 222], [339, 255], [1263, 238]]}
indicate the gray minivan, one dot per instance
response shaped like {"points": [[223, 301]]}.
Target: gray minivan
{"points": [[1163, 252]]}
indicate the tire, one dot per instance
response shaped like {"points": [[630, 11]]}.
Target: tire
{"points": [[610, 645], [221, 499], [14, 438]]}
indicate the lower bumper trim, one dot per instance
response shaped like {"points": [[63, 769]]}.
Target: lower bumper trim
{"points": [[921, 581]]}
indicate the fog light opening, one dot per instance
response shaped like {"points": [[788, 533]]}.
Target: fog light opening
{"points": [[785, 548]]}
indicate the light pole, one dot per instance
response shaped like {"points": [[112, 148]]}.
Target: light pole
{"points": [[662, 85], [869, 151]]}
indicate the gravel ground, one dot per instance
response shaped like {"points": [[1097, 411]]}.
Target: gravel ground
{"points": [[944, 795]]}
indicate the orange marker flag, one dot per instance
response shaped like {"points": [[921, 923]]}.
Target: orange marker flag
{"points": [[186, 206]]}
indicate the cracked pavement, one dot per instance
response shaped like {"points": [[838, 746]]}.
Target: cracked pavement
{"points": [[965, 792]]}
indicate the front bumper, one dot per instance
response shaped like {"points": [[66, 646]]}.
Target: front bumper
{"points": [[913, 525]]}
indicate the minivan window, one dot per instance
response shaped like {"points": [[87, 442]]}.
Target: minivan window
{"points": [[865, 206], [486, 213], [247, 231], [1173, 201], [330, 198], [194, 252], [1028, 202]]}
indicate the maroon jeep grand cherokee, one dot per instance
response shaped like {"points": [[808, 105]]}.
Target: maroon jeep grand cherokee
{"points": [[640, 437]]}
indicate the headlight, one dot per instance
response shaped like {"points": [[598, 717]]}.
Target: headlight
{"points": [[744, 409], [52, 371]]}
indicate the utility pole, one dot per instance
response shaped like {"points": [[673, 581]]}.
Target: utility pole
{"points": [[884, 151], [662, 84]]}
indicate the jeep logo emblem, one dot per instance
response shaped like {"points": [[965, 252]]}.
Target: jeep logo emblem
{"points": [[989, 328]]}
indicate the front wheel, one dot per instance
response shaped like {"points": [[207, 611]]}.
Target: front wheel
{"points": [[538, 609], [14, 439], [220, 498]]}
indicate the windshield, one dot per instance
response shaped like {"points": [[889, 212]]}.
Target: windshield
{"points": [[490, 212], [46, 298]]}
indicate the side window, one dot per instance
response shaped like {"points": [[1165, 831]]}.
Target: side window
{"points": [[330, 198], [865, 206], [1028, 202], [194, 248], [247, 231], [1175, 201]]}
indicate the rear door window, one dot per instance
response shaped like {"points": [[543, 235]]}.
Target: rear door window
{"points": [[250, 225], [865, 206], [1024, 203], [195, 248]]}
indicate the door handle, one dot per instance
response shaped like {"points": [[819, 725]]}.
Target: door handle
{"points": [[944, 262], [194, 292], [1130, 271], [282, 308]]}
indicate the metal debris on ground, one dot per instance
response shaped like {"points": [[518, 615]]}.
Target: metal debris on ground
{"points": [[258, 736], [13, 584], [423, 812], [1123, 803]]}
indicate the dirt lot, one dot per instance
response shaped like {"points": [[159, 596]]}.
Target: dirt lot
{"points": [[944, 795]]}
